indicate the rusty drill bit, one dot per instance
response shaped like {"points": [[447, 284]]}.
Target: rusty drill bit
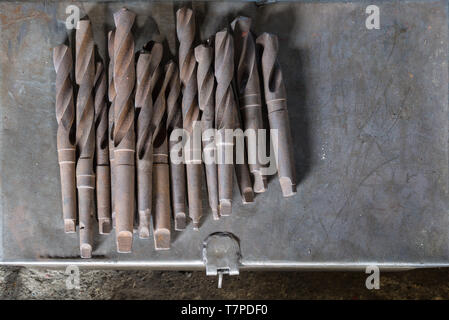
{"points": [[124, 136], [85, 134], [276, 100], [103, 184], [174, 121], [161, 175], [225, 109], [248, 91], [65, 116], [147, 74], [111, 97], [204, 55], [241, 168], [185, 29]]}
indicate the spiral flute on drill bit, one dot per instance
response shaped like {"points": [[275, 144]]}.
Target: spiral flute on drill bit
{"points": [[65, 139], [225, 109], [204, 55], [276, 100], [111, 97], [147, 74], [248, 91], [103, 184], [174, 121], [85, 134], [124, 135], [161, 175], [185, 29]]}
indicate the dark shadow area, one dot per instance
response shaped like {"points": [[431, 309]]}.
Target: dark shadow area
{"points": [[146, 32]]}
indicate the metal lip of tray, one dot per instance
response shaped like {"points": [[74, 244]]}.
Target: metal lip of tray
{"points": [[369, 118]]}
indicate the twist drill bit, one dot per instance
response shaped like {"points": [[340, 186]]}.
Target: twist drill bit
{"points": [[103, 184], [85, 134], [225, 109], [185, 29], [65, 116], [248, 91], [161, 175], [174, 121], [276, 100], [111, 96], [124, 136], [147, 74], [206, 89], [241, 169]]}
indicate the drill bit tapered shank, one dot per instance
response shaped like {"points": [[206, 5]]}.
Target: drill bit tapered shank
{"points": [[103, 185], [241, 169], [111, 97], [147, 74], [174, 121], [248, 91], [204, 55], [161, 175], [124, 136], [185, 29], [85, 134], [161, 186], [65, 116], [276, 100], [225, 109]]}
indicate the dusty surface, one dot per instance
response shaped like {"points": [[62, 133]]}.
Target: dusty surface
{"points": [[22, 283]]}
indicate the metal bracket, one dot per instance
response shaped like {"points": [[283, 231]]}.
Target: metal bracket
{"points": [[221, 255]]}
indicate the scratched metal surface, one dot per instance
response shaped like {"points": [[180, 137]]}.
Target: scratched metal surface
{"points": [[368, 110]]}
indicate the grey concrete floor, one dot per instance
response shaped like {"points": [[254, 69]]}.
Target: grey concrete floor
{"points": [[24, 283]]}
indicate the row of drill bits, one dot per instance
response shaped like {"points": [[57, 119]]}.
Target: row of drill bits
{"points": [[113, 147]]}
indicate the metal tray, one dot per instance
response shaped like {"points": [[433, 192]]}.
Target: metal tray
{"points": [[369, 115]]}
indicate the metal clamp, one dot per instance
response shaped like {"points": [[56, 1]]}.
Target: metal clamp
{"points": [[221, 255]]}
